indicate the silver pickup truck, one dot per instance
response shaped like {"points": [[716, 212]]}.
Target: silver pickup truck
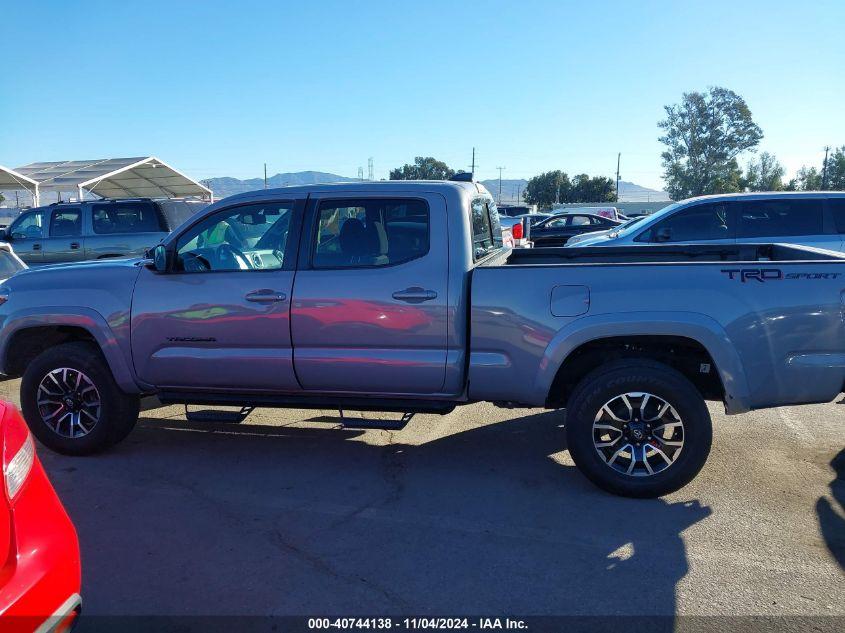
{"points": [[398, 296]]}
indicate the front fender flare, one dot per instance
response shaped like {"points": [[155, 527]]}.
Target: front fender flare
{"points": [[692, 325], [86, 318]]}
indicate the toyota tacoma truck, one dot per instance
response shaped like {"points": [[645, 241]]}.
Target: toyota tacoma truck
{"points": [[398, 296]]}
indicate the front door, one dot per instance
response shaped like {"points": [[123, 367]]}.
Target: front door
{"points": [[220, 317], [370, 307], [64, 241], [26, 234]]}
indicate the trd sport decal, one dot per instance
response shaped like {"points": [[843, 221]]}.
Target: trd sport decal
{"points": [[763, 275]]}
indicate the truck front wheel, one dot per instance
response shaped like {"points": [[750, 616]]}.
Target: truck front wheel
{"points": [[638, 428], [72, 403]]}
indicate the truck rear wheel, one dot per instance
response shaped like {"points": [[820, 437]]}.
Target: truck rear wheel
{"points": [[638, 428], [72, 403]]}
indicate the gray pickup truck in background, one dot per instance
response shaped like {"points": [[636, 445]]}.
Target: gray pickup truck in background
{"points": [[99, 229], [398, 296]]}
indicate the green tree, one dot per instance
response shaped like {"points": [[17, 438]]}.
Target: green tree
{"points": [[424, 168], [704, 134], [764, 174], [807, 179], [595, 189], [836, 170], [547, 188]]}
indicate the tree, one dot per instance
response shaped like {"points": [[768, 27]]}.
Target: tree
{"points": [[835, 176], [547, 188], [595, 189], [704, 135], [765, 174], [423, 169], [807, 179]]}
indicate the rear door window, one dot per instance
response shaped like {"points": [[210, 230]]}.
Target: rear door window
{"points": [[126, 217], [837, 208], [66, 223], [370, 232], [773, 218]]}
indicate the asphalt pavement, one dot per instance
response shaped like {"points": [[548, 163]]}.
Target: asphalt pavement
{"points": [[480, 512]]}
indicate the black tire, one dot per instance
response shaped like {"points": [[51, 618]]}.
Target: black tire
{"points": [[118, 411], [632, 376]]}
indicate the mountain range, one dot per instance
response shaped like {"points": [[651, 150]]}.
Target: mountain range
{"points": [[227, 186]]}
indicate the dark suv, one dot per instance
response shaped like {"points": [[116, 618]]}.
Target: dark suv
{"points": [[98, 229]]}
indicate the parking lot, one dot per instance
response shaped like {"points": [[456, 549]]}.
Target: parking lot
{"points": [[480, 511]]}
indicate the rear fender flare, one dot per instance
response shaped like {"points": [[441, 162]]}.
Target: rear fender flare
{"points": [[698, 327]]}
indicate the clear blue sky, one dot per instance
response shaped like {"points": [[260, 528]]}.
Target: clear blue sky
{"points": [[217, 88]]}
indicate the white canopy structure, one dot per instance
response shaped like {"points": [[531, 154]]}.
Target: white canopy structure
{"points": [[139, 177], [14, 180]]}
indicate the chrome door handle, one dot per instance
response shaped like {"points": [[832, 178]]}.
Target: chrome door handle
{"points": [[36, 247], [265, 296], [415, 294], [74, 245]]}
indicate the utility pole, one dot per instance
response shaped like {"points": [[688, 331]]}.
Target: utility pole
{"points": [[518, 191], [499, 201], [472, 167], [361, 173], [824, 168], [618, 160], [265, 175]]}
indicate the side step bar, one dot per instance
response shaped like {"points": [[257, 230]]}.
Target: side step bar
{"points": [[224, 417], [351, 403], [369, 423]]}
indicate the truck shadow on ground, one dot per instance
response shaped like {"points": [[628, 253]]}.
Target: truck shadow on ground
{"points": [[248, 519], [831, 523]]}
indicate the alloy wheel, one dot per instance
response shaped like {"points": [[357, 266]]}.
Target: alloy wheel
{"points": [[69, 402], [638, 434]]}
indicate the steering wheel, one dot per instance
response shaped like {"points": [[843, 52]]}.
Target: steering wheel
{"points": [[226, 251]]}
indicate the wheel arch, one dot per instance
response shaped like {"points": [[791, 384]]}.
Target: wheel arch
{"points": [[683, 341], [24, 336]]}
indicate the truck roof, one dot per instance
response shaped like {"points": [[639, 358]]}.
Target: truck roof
{"points": [[756, 195], [384, 186]]}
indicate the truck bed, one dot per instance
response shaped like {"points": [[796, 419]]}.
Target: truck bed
{"points": [[769, 315]]}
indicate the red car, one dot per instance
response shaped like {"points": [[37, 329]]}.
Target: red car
{"points": [[40, 575]]}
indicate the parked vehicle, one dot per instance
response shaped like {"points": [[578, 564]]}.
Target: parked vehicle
{"points": [[611, 213], [74, 231], [40, 579], [575, 239], [558, 229], [405, 300], [9, 262], [812, 219], [519, 228]]}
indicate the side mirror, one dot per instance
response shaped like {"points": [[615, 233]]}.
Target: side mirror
{"points": [[160, 258], [663, 234], [5, 235]]}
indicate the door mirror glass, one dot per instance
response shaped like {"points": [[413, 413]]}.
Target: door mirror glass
{"points": [[4, 234], [160, 258]]}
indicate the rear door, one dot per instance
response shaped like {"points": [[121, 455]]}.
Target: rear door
{"points": [[370, 303], [65, 242], [789, 220]]}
